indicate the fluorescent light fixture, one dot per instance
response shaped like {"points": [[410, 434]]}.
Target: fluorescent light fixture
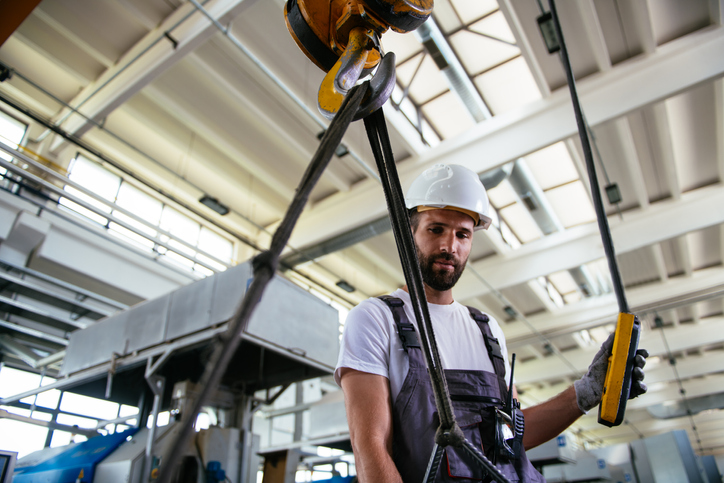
{"points": [[548, 31], [214, 204], [346, 286], [613, 193]]}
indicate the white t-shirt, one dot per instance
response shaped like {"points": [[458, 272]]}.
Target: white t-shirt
{"points": [[370, 342]]}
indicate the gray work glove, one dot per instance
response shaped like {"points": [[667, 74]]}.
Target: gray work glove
{"points": [[589, 388]]}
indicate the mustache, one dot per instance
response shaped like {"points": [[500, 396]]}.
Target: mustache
{"points": [[448, 257]]}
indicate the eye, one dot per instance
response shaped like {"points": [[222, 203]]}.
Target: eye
{"points": [[463, 234]]}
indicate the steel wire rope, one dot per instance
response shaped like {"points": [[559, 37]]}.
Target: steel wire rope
{"points": [[265, 265], [601, 217], [448, 433], [593, 178]]}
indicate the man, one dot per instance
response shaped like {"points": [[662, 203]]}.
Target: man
{"points": [[388, 396]]}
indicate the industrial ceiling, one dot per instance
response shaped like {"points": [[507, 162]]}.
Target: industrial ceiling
{"points": [[227, 109]]}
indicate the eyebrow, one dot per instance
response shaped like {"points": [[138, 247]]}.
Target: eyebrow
{"points": [[447, 225]]}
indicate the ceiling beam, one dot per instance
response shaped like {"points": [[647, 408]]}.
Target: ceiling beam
{"points": [[658, 254], [592, 28], [580, 245], [521, 40], [631, 85], [631, 161], [684, 337], [144, 62], [596, 311], [69, 34]]}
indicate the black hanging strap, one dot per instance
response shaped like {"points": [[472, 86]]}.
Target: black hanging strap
{"points": [[405, 329], [264, 265], [493, 346], [448, 433]]}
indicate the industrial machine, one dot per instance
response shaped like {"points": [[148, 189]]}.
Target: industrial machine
{"points": [[7, 464], [152, 355]]}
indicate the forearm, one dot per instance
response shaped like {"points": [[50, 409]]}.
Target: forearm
{"points": [[549, 419], [373, 461], [369, 416]]}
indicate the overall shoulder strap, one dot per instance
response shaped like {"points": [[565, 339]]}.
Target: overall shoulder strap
{"points": [[405, 329], [493, 346]]}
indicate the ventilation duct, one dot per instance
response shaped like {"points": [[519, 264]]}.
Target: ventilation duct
{"points": [[680, 409], [531, 194], [436, 45]]}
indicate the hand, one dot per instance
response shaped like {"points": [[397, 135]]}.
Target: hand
{"points": [[589, 388], [637, 375]]}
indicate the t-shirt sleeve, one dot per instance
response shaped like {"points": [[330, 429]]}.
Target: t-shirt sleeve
{"points": [[365, 341]]}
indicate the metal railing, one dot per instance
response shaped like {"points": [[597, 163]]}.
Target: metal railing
{"points": [[61, 193]]}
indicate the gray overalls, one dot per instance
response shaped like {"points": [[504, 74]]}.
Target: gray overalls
{"points": [[474, 396]]}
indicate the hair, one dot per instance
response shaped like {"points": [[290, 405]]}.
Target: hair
{"points": [[414, 218]]}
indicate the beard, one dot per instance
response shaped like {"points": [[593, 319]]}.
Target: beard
{"points": [[440, 280]]}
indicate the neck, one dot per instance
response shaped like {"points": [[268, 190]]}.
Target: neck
{"points": [[435, 296]]}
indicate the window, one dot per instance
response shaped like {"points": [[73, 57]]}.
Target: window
{"points": [[215, 252], [12, 133]]}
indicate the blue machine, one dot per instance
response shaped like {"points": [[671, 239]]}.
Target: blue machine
{"points": [[67, 466]]}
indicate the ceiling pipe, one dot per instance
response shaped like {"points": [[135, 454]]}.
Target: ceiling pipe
{"points": [[532, 196], [434, 41], [692, 406]]}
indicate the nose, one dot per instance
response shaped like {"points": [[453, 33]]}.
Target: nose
{"points": [[448, 243]]}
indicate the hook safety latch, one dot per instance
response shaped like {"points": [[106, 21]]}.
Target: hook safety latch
{"points": [[347, 71]]}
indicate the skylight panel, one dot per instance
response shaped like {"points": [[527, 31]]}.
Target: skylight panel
{"points": [[406, 71], [572, 297], [471, 10], [563, 281], [552, 166], [521, 222], [429, 134], [495, 26], [448, 115], [508, 235], [508, 86], [427, 83], [571, 203], [502, 195], [446, 17], [600, 273], [478, 53], [409, 110], [403, 45]]}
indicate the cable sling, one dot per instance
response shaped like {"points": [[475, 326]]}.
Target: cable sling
{"points": [[264, 266], [448, 433]]}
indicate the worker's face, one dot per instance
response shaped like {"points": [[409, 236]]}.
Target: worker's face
{"points": [[443, 239]]}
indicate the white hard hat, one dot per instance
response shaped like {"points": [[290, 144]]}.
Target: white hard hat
{"points": [[453, 187]]}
